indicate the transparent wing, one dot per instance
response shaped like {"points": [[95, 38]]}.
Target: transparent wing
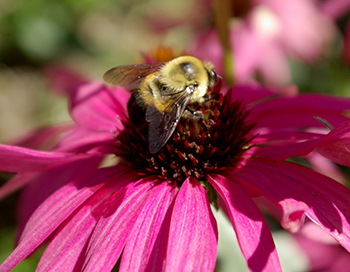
{"points": [[163, 124], [131, 76]]}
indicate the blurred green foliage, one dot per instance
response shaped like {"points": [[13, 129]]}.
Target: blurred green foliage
{"points": [[329, 75], [32, 32], [39, 31]]}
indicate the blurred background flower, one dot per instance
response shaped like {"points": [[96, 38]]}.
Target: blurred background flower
{"points": [[266, 35], [277, 42]]}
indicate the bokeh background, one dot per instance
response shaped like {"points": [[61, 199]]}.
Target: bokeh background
{"points": [[91, 36]]}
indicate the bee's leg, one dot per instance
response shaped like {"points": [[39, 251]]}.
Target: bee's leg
{"points": [[196, 116]]}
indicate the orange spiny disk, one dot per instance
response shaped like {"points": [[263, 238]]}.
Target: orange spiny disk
{"points": [[161, 54]]}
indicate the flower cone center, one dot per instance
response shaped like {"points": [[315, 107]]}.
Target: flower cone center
{"points": [[196, 147]]}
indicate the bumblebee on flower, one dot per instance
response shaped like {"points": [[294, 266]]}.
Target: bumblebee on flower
{"points": [[152, 209]]}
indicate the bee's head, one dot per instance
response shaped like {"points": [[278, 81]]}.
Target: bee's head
{"points": [[188, 71], [212, 76], [193, 70]]}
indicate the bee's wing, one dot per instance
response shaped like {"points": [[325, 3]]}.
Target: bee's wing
{"points": [[163, 124], [130, 76]]}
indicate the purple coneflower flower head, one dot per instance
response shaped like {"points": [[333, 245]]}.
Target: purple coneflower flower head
{"points": [[153, 212]]}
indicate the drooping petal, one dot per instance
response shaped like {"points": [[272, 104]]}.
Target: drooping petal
{"points": [[113, 229], [96, 107], [291, 186], [323, 252], [253, 233], [193, 236], [336, 144], [16, 159], [78, 229], [54, 211], [293, 209], [140, 245]]}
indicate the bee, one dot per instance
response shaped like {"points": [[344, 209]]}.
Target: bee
{"points": [[163, 92]]}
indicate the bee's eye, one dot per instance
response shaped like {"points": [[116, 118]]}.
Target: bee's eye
{"points": [[195, 84], [213, 74], [162, 87]]}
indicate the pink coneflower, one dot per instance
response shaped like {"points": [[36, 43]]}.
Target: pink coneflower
{"points": [[153, 212]]}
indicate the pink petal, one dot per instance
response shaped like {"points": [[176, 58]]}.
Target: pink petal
{"points": [[138, 252], [113, 229], [23, 179], [208, 48], [291, 186], [245, 51], [46, 183], [273, 64], [300, 111], [54, 211], [121, 95], [193, 235], [274, 136], [254, 92], [326, 167], [280, 144], [43, 138], [305, 38], [81, 140], [253, 233], [64, 80], [336, 144], [16, 159], [77, 230], [16, 183], [334, 8], [293, 210], [285, 151], [98, 108]]}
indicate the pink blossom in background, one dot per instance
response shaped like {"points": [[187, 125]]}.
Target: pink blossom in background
{"points": [[335, 9], [269, 34], [153, 211], [325, 167], [324, 253]]}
